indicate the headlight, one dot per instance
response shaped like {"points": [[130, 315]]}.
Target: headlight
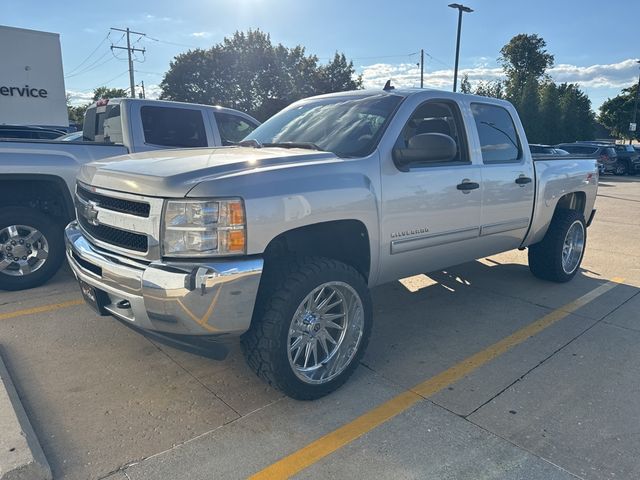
{"points": [[204, 228]]}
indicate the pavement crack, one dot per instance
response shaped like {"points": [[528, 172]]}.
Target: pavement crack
{"points": [[552, 354], [205, 386]]}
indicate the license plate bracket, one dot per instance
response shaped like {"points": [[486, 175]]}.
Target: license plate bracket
{"points": [[95, 298]]}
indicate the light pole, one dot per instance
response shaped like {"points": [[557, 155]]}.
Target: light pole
{"points": [[460, 8], [635, 110]]}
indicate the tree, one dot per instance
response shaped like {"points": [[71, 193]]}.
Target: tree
{"points": [[247, 72], [524, 59], [491, 88], [550, 117], [529, 110], [465, 85], [105, 92], [577, 118], [617, 112]]}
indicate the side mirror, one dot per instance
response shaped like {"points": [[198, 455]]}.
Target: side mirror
{"points": [[425, 148]]}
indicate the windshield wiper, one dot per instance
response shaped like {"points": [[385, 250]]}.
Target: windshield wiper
{"points": [[307, 145]]}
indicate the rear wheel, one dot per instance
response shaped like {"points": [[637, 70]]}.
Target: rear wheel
{"points": [[558, 256], [621, 168], [312, 330], [31, 248]]}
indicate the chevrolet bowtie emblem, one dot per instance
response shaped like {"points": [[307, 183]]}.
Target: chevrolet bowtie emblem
{"points": [[91, 212]]}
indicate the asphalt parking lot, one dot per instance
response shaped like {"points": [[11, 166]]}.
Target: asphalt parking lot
{"points": [[480, 371]]}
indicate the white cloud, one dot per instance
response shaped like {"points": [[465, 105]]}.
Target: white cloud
{"points": [[80, 98], [609, 76], [201, 34]]}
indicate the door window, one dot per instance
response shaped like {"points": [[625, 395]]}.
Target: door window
{"points": [[437, 117], [173, 127], [499, 140], [233, 128]]}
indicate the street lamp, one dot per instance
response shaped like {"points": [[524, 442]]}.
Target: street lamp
{"points": [[635, 111], [461, 8]]}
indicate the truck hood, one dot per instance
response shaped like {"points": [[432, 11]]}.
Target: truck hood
{"points": [[173, 173]]}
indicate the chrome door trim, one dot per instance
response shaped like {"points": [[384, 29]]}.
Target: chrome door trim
{"points": [[501, 227], [433, 240]]}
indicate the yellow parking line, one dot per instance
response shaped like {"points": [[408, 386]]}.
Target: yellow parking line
{"points": [[44, 308], [324, 446]]}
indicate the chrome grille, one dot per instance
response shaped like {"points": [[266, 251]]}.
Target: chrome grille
{"points": [[138, 209], [121, 222], [114, 236]]}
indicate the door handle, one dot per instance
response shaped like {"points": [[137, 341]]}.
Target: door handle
{"points": [[523, 180], [467, 185]]}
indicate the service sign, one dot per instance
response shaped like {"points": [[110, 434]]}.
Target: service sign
{"points": [[31, 78], [632, 127]]}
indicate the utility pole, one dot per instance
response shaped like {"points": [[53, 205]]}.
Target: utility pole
{"points": [[422, 68], [460, 8], [142, 85], [129, 49], [635, 111]]}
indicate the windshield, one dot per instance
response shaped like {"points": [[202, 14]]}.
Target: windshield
{"points": [[348, 127]]}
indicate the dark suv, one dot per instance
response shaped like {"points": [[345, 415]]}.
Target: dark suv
{"points": [[29, 132], [605, 152], [628, 160]]}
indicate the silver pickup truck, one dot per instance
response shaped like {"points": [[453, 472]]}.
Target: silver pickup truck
{"points": [[37, 178], [280, 239]]}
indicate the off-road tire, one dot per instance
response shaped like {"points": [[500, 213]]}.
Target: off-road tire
{"points": [[51, 230], [282, 290], [545, 258]]}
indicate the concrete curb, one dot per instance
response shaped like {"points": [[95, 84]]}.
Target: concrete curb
{"points": [[21, 457]]}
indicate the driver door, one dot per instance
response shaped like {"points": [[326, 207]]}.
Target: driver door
{"points": [[430, 211]]}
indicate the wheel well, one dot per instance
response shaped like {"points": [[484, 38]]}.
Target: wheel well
{"points": [[573, 201], [44, 193], [343, 240]]}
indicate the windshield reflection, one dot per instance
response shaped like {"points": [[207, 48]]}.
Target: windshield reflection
{"points": [[348, 127]]}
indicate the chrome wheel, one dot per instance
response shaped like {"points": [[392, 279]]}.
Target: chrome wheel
{"points": [[572, 247], [23, 250], [325, 332]]}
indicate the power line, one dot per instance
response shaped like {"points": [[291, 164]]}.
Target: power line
{"points": [[91, 54], [95, 65], [147, 37]]}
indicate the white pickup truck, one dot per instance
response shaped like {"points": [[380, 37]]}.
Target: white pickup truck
{"points": [[279, 240], [37, 178]]}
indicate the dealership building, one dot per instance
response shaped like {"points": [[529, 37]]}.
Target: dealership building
{"points": [[31, 79]]}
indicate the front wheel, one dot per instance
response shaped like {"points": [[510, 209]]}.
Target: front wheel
{"points": [[621, 168], [312, 330], [31, 248], [558, 256]]}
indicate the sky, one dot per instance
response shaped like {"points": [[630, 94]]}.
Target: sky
{"points": [[595, 43]]}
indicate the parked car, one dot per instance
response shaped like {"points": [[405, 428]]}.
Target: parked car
{"points": [[538, 149], [29, 132], [37, 177], [605, 152], [628, 160], [71, 137], [279, 239]]}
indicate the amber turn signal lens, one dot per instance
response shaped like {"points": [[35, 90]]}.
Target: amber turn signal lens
{"points": [[236, 213], [236, 241]]}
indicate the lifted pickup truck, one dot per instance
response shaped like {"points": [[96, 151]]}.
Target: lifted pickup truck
{"points": [[37, 178], [279, 240]]}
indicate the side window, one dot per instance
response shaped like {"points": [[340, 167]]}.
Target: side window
{"points": [[173, 127], [436, 117], [498, 137], [233, 128]]}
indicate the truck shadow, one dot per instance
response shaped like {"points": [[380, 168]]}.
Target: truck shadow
{"points": [[425, 324]]}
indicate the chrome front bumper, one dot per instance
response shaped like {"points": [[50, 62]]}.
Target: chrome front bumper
{"points": [[207, 298]]}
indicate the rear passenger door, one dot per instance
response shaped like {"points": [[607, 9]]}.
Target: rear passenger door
{"points": [[508, 179]]}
